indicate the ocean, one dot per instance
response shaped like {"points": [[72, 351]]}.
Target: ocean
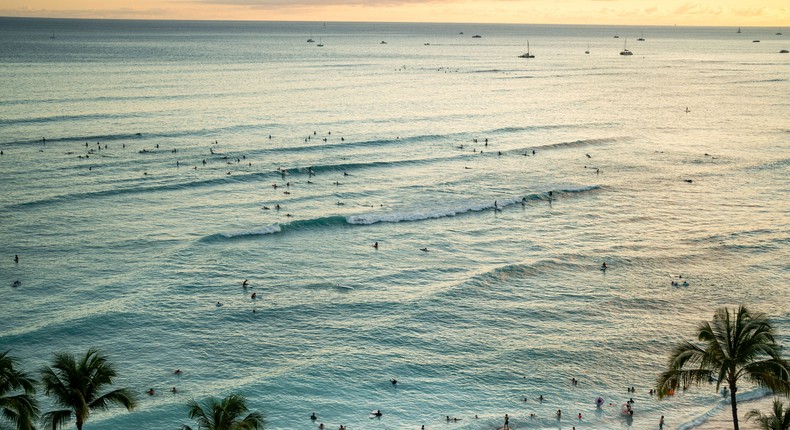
{"points": [[151, 167]]}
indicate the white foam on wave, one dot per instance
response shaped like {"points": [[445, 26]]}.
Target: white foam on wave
{"points": [[269, 229], [421, 215], [449, 212], [721, 405]]}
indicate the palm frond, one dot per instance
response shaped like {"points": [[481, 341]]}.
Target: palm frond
{"points": [[56, 419]]}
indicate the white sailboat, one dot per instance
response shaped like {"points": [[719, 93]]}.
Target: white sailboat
{"points": [[320, 43]]}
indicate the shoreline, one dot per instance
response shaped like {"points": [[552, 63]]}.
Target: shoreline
{"points": [[723, 418]]}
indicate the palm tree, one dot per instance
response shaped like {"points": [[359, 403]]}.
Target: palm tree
{"points": [[731, 349], [780, 420], [20, 409], [76, 387], [225, 414]]}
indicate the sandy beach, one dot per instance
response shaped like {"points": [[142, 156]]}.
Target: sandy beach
{"points": [[723, 420]]}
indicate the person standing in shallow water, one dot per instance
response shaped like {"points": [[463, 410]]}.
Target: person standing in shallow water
{"points": [[507, 425], [661, 423]]}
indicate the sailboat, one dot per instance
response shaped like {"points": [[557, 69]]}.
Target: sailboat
{"points": [[739, 30], [527, 54], [588, 49], [625, 50], [320, 43], [641, 38], [310, 40]]}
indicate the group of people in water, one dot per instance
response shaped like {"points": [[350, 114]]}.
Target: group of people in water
{"points": [[627, 409]]}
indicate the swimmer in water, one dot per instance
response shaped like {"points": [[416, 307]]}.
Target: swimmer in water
{"points": [[376, 245], [424, 249]]}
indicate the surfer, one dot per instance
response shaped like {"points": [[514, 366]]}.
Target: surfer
{"points": [[603, 266], [16, 258], [559, 413], [254, 296], [177, 372], [245, 283], [496, 207], [507, 420], [151, 392], [173, 390], [424, 249], [393, 381], [376, 245], [313, 417], [376, 413]]}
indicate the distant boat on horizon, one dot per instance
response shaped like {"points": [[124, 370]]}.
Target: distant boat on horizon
{"points": [[588, 49], [477, 36], [616, 36], [310, 39], [53, 36], [625, 50], [527, 54], [739, 30], [320, 43], [641, 37]]}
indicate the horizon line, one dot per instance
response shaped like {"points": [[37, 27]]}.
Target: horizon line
{"points": [[379, 22]]}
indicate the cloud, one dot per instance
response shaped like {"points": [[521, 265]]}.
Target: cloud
{"points": [[751, 12], [697, 9]]}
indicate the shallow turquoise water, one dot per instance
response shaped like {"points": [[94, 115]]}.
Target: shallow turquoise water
{"points": [[129, 246]]}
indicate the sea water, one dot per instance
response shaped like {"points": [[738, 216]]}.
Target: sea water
{"points": [[138, 188]]}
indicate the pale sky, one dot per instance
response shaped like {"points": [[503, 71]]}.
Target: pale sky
{"points": [[773, 13]]}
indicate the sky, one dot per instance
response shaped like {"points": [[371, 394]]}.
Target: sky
{"points": [[772, 13]]}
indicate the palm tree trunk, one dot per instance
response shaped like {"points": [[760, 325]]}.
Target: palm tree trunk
{"points": [[733, 389]]}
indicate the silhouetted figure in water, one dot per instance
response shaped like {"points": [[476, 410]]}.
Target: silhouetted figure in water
{"points": [[16, 258]]}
